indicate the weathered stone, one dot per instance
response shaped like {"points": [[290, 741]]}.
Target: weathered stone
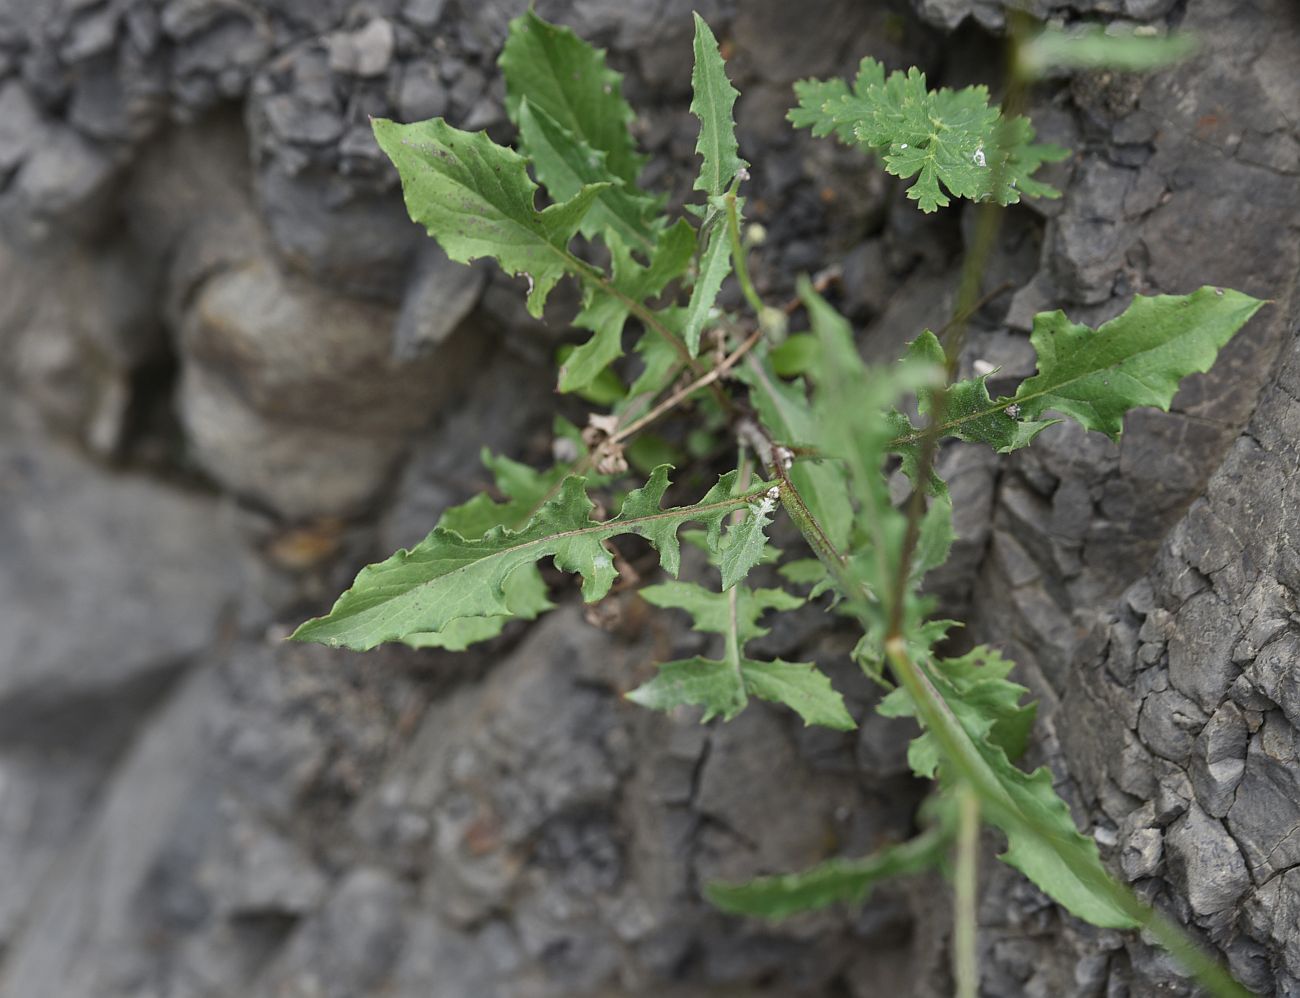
{"points": [[19, 125], [1207, 862], [423, 13], [1200, 650], [84, 617], [1169, 724], [46, 796], [91, 901], [365, 52], [1266, 811], [292, 399], [1219, 760], [348, 947], [62, 186], [439, 298], [1142, 843], [1276, 673], [422, 94]]}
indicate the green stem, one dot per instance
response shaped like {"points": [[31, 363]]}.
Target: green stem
{"points": [[648, 318], [969, 766], [738, 259], [965, 961]]}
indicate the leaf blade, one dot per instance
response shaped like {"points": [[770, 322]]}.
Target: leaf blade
{"points": [[953, 142], [723, 686], [715, 265], [606, 309], [714, 98], [567, 78], [1139, 358], [847, 881], [1135, 359], [475, 198], [566, 164], [446, 577]]}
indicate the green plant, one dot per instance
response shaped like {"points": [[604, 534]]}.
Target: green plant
{"points": [[817, 429]]}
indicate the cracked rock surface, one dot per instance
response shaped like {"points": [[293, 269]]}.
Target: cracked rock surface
{"points": [[233, 372]]}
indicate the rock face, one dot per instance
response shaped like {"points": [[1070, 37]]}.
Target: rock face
{"points": [[233, 371]]}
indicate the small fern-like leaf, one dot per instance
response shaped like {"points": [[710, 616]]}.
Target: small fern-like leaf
{"points": [[953, 142]]}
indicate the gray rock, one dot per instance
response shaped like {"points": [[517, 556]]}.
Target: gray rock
{"points": [[349, 947], [365, 52], [1206, 862], [91, 899], [441, 295], [1219, 760], [63, 186], [46, 799], [422, 94], [357, 242], [1276, 673], [1142, 844], [72, 536], [19, 125], [423, 13], [295, 120], [1089, 240], [1200, 650], [292, 399], [1266, 811]]}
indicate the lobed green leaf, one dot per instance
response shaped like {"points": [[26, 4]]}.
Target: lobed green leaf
{"points": [[723, 686], [712, 105], [447, 577], [607, 306], [566, 78], [967, 741], [953, 142], [1136, 359], [1096, 376], [566, 164], [476, 199]]}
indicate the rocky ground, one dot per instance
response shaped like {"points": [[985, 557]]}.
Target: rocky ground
{"points": [[233, 371]]}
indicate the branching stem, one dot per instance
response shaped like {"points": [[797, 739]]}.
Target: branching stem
{"points": [[969, 767], [683, 393], [648, 318]]}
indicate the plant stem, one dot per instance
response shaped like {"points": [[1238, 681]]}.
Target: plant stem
{"points": [[988, 223], [648, 318], [973, 770], [965, 961], [739, 262], [686, 391]]}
